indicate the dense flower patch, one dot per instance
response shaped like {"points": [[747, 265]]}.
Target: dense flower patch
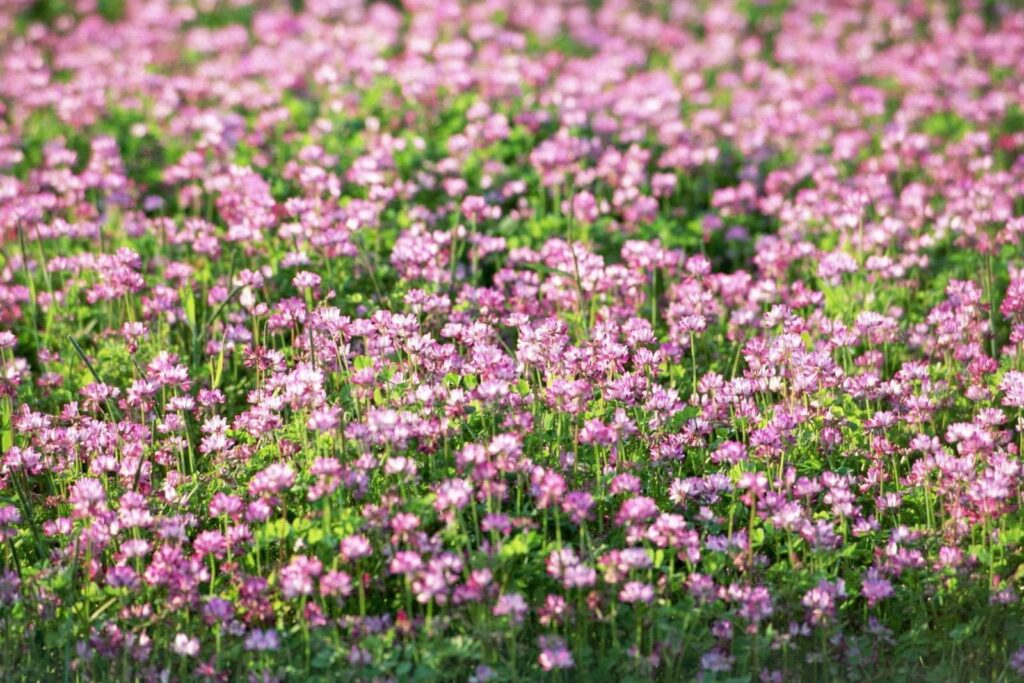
{"points": [[498, 340]]}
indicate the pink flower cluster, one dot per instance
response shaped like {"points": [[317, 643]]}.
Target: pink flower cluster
{"points": [[511, 339]]}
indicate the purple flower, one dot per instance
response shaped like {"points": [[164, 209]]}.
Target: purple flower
{"points": [[875, 588], [261, 640]]}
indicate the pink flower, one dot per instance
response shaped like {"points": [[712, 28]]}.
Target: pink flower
{"points": [[297, 576], [354, 547], [306, 280], [275, 478], [1012, 386], [405, 562], [821, 600], [10, 516], [185, 645], [335, 583], [554, 654], [511, 605], [637, 591], [635, 510], [324, 418], [88, 498]]}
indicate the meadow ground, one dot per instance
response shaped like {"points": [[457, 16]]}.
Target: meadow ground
{"points": [[504, 340]]}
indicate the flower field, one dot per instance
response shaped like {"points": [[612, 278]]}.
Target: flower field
{"points": [[509, 340]]}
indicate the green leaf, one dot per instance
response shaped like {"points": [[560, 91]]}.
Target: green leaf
{"points": [[188, 301], [547, 270], [275, 530], [517, 545]]}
